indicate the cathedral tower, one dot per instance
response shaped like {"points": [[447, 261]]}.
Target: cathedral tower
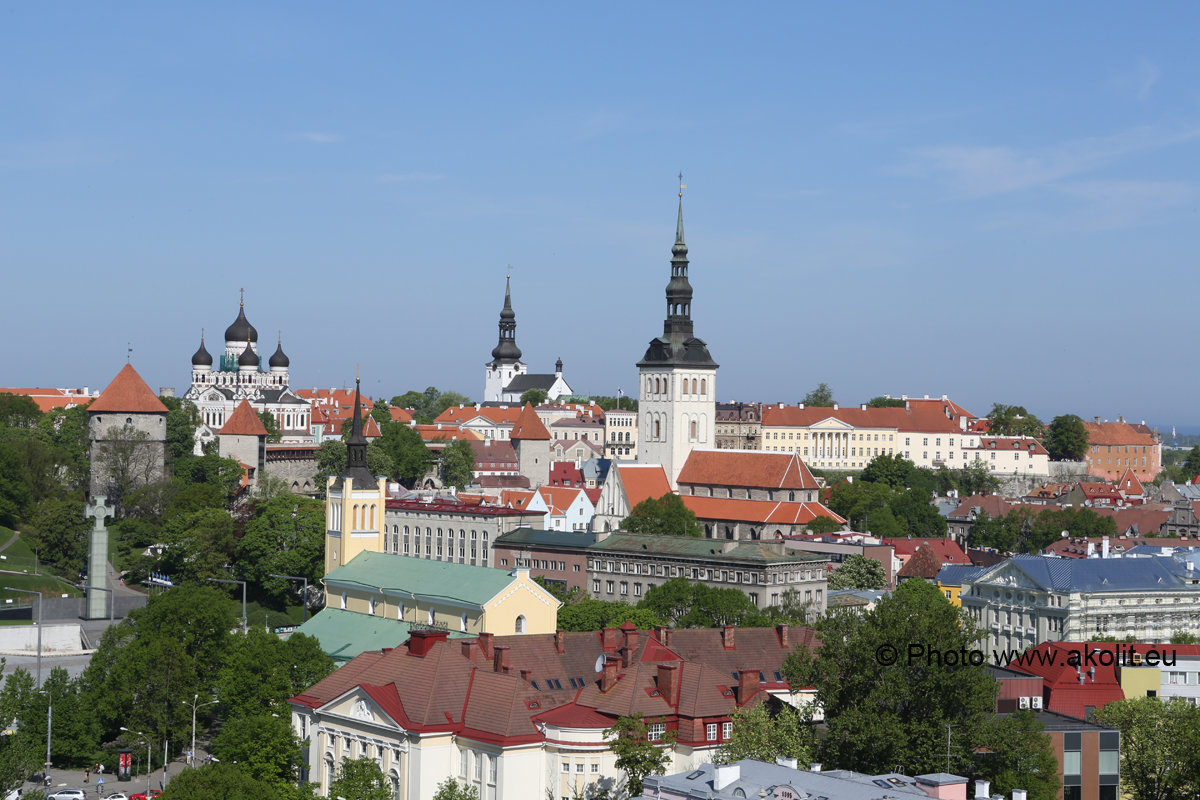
{"points": [[506, 361], [354, 501], [677, 378]]}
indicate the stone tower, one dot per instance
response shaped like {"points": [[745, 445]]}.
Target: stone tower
{"points": [[127, 436], [677, 378], [355, 501], [506, 361], [531, 441]]}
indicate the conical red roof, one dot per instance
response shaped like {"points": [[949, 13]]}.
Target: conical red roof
{"points": [[128, 393], [244, 422], [529, 426]]}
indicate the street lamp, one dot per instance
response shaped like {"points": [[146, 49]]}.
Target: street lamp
{"points": [[243, 583], [39, 624], [112, 597], [49, 725], [148, 770], [194, 707], [303, 592]]}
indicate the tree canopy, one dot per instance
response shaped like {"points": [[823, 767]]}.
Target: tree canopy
{"points": [[360, 779], [637, 756], [820, 397], [1066, 438], [858, 572], [427, 405], [764, 734], [458, 464], [1014, 421], [666, 515], [535, 397], [1160, 740]]}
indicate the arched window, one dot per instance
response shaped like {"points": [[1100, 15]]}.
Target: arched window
{"points": [[657, 429], [431, 616], [704, 388], [520, 626], [693, 426]]}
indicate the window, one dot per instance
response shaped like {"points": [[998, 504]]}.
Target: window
{"points": [[624, 587], [579, 767], [566, 766], [711, 731], [655, 731], [726, 730], [595, 768], [343, 599]]}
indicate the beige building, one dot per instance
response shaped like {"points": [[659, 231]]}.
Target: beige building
{"points": [[355, 502], [621, 434]]}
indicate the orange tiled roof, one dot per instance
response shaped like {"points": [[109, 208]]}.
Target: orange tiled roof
{"points": [[496, 415], [128, 393], [47, 399], [769, 512], [529, 426], [243, 422], [746, 468], [400, 414], [1129, 485], [1024, 444], [643, 482], [1116, 433], [920, 415]]}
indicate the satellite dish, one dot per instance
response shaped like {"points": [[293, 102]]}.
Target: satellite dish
{"points": [[600, 663]]}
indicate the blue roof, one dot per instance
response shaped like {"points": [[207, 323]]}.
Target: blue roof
{"points": [[955, 574], [1100, 574]]}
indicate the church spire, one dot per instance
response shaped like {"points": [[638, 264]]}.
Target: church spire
{"points": [[506, 350], [356, 446]]}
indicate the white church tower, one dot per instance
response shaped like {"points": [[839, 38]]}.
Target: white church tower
{"points": [[678, 378]]}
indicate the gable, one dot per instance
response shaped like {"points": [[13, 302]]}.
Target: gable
{"points": [[359, 707], [1006, 576]]}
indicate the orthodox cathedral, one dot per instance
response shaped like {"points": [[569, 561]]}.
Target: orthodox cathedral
{"points": [[506, 376], [219, 387]]}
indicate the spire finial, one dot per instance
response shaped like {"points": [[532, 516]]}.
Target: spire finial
{"points": [[241, 298], [279, 335], [682, 185], [128, 352], [679, 223], [202, 336]]}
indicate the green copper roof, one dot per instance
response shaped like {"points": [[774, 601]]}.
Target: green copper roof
{"points": [[344, 634], [419, 578], [696, 547]]}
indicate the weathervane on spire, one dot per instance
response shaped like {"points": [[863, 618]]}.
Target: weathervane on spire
{"points": [[242, 298], [202, 336], [128, 352], [682, 185]]}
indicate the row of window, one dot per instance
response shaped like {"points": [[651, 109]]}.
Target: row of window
{"points": [[694, 386], [831, 435]]}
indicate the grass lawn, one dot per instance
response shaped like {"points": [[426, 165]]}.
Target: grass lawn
{"points": [[260, 614], [47, 584], [18, 557]]}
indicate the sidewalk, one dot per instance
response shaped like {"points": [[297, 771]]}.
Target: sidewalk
{"points": [[73, 779]]}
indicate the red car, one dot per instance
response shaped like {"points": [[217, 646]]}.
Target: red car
{"points": [[143, 796]]}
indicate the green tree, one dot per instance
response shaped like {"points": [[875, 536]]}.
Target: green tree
{"points": [[637, 756], [1066, 438], [858, 572], [18, 411], [823, 524], [199, 546], [666, 515], [535, 397], [763, 735], [268, 421], [22, 752], [590, 614], [210, 469], [360, 779], [1017, 754], [67, 431], [183, 419], [58, 531], [672, 600], [975, 478], [285, 536], [1159, 742], [892, 470], [450, 789], [381, 412], [886, 704], [1014, 421], [917, 516], [820, 397], [458, 463], [1191, 464], [218, 780], [264, 746], [861, 503], [427, 405], [624, 402], [408, 452], [259, 672], [885, 402]]}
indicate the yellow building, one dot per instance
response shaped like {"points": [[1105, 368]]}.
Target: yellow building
{"points": [[355, 502], [950, 579], [439, 594]]}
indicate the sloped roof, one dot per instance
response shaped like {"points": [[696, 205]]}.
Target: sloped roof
{"points": [[1098, 574], [530, 380], [643, 482], [422, 577], [1129, 485], [932, 415], [955, 574], [1117, 433], [529, 427], [128, 393], [948, 551], [746, 468], [1023, 444], [770, 512], [496, 415], [924, 563], [749, 551], [344, 634], [243, 422]]}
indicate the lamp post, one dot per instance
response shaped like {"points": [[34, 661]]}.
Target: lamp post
{"points": [[112, 598], [194, 707], [303, 592], [49, 725], [948, 727], [39, 624], [243, 583], [148, 770]]}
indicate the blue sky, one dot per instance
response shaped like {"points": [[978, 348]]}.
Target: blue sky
{"points": [[994, 202]]}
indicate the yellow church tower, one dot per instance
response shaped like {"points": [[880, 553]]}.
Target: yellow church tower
{"points": [[354, 502]]}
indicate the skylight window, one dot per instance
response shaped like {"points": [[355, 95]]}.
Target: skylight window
{"points": [[693, 775]]}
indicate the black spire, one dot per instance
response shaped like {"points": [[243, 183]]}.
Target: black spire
{"points": [[356, 447], [506, 350], [279, 359], [678, 344], [241, 330], [202, 357]]}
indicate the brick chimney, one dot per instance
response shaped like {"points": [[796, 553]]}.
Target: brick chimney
{"points": [[608, 678], [421, 642], [609, 638], [631, 635], [661, 632], [500, 660], [782, 629], [560, 641], [626, 656], [668, 683], [485, 643], [468, 647], [747, 685], [525, 673], [727, 637]]}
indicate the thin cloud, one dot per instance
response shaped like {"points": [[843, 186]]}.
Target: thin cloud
{"points": [[407, 177], [1121, 204], [984, 171], [317, 137], [1138, 81]]}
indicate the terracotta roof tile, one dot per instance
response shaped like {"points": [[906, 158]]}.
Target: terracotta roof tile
{"points": [[528, 426], [1117, 433], [243, 422], [128, 393], [643, 482], [770, 512], [746, 468]]}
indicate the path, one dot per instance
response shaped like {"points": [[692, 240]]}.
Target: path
{"points": [[11, 539]]}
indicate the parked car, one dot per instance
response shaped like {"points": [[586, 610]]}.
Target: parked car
{"points": [[67, 794], [116, 796], [143, 796]]}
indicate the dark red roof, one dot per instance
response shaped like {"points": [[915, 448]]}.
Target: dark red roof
{"points": [[128, 393], [244, 422]]}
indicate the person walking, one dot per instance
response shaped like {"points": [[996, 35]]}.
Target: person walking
{"points": [[87, 772]]}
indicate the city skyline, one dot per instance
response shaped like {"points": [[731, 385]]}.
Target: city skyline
{"points": [[992, 204]]}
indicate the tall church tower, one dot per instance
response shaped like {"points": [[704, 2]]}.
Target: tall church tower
{"points": [[677, 378], [354, 502], [506, 361]]}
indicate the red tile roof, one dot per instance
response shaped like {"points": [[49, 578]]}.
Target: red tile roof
{"points": [[933, 415], [948, 551], [1025, 444], [643, 482], [243, 422], [1129, 485], [1117, 433], [400, 414], [925, 563], [529, 427], [746, 468], [768, 512], [128, 393], [497, 415]]}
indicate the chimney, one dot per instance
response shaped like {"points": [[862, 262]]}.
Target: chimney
{"points": [[1120, 419], [862, 407], [662, 632], [500, 661], [560, 641], [631, 635], [747, 685], [468, 645], [1104, 547], [668, 682], [814, 766], [782, 630], [485, 643], [785, 761], [727, 637], [1097, 419], [626, 656], [421, 642], [609, 638], [525, 673], [983, 790], [725, 775], [608, 678], [835, 406], [1019, 794]]}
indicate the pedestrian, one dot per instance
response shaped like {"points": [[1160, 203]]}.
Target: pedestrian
{"points": [[87, 772]]}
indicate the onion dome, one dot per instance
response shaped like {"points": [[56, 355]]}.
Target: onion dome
{"points": [[248, 358], [241, 330], [278, 359], [202, 357]]}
